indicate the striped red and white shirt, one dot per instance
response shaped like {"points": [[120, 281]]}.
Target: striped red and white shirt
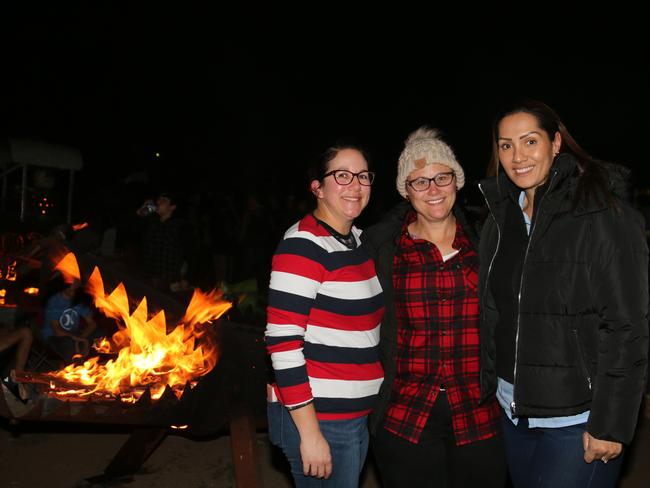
{"points": [[324, 314]]}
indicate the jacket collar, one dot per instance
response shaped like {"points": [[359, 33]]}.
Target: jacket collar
{"points": [[389, 229]]}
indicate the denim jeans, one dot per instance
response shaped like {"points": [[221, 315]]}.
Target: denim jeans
{"points": [[553, 458], [348, 441]]}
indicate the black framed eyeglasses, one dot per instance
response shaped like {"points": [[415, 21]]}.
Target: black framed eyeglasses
{"points": [[440, 180], [345, 177]]}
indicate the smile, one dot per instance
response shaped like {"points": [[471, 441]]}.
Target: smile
{"points": [[435, 201], [523, 171]]}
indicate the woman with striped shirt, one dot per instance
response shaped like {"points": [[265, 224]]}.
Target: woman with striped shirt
{"points": [[324, 314]]}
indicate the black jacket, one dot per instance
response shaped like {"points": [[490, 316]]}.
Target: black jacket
{"points": [[582, 329], [381, 242]]}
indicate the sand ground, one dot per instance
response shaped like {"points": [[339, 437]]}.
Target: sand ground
{"points": [[37, 455]]}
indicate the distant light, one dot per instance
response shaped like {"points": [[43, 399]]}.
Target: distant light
{"points": [[157, 155], [78, 227], [31, 290]]}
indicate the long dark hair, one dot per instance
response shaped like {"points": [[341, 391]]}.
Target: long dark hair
{"points": [[592, 179]]}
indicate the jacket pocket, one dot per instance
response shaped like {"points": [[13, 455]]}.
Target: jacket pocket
{"points": [[581, 359]]}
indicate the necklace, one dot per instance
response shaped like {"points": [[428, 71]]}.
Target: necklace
{"points": [[347, 240]]}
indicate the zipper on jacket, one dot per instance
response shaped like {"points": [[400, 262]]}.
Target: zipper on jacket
{"points": [[496, 250], [513, 405], [582, 359]]}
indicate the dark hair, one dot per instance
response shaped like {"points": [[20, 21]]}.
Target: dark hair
{"points": [[320, 164], [592, 180]]}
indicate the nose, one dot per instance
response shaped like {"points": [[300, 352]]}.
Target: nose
{"points": [[355, 181], [433, 188], [518, 154]]}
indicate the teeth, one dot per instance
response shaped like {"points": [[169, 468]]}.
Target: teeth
{"points": [[520, 171], [433, 202]]}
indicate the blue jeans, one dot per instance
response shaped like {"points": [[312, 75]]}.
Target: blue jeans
{"points": [[553, 458], [348, 441]]}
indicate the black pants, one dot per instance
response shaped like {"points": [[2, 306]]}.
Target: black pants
{"points": [[436, 461]]}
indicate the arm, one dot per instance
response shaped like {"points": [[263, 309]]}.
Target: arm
{"points": [[90, 327], [295, 280], [81, 343], [620, 290], [143, 211], [314, 449]]}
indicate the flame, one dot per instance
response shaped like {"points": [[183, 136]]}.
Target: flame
{"points": [[69, 268], [31, 290], [77, 227], [147, 355], [11, 272]]}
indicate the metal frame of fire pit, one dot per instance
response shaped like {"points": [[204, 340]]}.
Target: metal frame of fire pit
{"points": [[153, 420]]}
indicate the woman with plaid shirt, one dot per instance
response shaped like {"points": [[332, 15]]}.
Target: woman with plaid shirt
{"points": [[428, 428]]}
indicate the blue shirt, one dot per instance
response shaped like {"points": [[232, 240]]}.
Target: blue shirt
{"points": [[505, 390], [60, 308]]}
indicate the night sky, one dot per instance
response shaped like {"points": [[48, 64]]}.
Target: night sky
{"points": [[244, 103]]}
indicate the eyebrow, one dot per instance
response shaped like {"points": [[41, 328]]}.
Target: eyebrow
{"points": [[523, 136]]}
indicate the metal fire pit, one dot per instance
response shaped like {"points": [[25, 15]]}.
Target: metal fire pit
{"points": [[232, 395]]}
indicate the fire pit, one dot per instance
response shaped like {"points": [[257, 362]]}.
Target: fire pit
{"points": [[155, 377]]}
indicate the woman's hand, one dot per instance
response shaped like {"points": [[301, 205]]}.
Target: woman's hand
{"points": [[596, 449], [314, 449], [316, 457]]}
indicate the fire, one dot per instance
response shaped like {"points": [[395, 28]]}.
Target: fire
{"points": [[69, 268], [147, 355], [78, 227]]}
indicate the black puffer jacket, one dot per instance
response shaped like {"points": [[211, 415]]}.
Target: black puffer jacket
{"points": [[381, 242], [582, 333]]}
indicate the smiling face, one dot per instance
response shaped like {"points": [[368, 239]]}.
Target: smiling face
{"points": [[526, 151], [338, 205], [435, 203]]}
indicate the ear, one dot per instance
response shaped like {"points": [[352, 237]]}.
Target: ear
{"points": [[557, 143], [315, 189]]}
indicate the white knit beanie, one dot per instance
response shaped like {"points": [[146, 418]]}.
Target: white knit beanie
{"points": [[423, 147]]}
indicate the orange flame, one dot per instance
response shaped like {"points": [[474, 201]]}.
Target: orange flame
{"points": [[147, 356], [69, 268], [77, 227]]}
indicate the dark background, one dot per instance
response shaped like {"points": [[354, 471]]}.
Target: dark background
{"points": [[242, 99]]}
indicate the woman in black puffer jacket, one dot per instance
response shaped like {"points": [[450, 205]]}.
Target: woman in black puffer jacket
{"points": [[563, 289]]}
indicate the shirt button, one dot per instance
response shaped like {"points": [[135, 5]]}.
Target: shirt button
{"points": [[443, 299], [442, 267]]}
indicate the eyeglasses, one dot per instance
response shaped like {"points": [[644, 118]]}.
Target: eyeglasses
{"points": [[345, 177], [422, 183]]}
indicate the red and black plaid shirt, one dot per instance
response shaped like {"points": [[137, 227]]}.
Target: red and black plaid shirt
{"points": [[436, 305]]}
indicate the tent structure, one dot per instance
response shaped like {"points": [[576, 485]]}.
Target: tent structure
{"points": [[23, 154]]}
